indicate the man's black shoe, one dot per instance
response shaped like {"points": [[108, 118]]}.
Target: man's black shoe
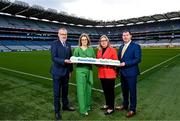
{"points": [[68, 109], [58, 116]]}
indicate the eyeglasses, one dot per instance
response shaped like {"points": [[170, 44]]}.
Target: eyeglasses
{"points": [[84, 39], [103, 40], [63, 34]]}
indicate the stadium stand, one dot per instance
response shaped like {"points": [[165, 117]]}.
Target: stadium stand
{"points": [[26, 28], [175, 42]]}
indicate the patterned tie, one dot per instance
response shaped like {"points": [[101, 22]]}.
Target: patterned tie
{"points": [[123, 50]]}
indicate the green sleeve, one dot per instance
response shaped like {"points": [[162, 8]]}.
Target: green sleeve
{"points": [[93, 54], [75, 52]]}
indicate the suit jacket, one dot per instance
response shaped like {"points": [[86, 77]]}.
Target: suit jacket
{"points": [[58, 54], [131, 57]]}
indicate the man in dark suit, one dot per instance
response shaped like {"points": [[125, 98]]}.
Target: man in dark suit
{"points": [[61, 71], [129, 55]]}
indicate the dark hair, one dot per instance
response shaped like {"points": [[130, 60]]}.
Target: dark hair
{"points": [[125, 31]]}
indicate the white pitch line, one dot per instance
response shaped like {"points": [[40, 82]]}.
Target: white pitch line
{"points": [[38, 76], [161, 63], [154, 67], [99, 90]]}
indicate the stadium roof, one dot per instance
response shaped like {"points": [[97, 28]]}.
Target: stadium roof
{"points": [[24, 9], [36, 11]]}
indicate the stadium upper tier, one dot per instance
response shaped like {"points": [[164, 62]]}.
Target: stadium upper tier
{"points": [[25, 28], [36, 11], [36, 25]]}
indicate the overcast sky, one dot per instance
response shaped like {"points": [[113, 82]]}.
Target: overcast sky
{"points": [[109, 9]]}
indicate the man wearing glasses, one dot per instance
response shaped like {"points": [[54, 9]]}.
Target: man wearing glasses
{"points": [[61, 71]]}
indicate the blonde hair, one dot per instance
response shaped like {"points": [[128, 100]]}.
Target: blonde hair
{"points": [[103, 36], [88, 39]]}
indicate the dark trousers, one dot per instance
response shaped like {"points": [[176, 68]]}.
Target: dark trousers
{"points": [[60, 91], [108, 88], [128, 86]]}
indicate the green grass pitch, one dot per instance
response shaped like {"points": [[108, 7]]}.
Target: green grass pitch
{"points": [[24, 97]]}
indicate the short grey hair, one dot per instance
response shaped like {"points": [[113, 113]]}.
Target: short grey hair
{"points": [[64, 29]]}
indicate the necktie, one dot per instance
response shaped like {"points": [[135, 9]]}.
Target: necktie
{"points": [[123, 50], [64, 44]]}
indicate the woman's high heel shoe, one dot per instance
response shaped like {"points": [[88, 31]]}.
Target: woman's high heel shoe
{"points": [[109, 112]]}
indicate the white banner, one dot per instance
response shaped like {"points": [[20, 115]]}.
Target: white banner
{"points": [[95, 61]]}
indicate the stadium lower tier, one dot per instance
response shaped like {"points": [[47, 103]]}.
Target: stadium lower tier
{"points": [[13, 45], [27, 45]]}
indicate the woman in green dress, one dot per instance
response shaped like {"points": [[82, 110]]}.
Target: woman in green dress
{"points": [[84, 75]]}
